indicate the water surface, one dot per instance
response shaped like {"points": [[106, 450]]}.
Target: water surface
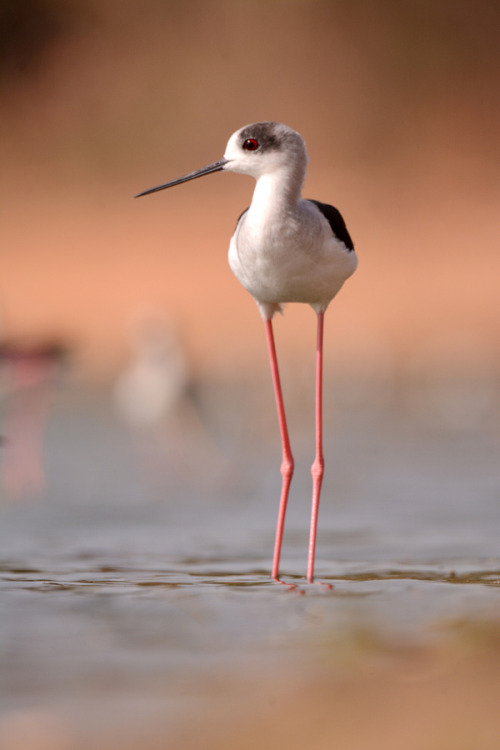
{"points": [[136, 581]]}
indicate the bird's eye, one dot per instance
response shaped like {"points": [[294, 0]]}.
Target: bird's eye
{"points": [[251, 144]]}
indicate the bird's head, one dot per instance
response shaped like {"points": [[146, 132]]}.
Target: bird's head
{"points": [[262, 148], [265, 148]]}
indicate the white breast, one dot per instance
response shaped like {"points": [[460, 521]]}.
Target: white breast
{"points": [[293, 257]]}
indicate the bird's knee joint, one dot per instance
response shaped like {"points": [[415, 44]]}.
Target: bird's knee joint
{"points": [[287, 467], [318, 467]]}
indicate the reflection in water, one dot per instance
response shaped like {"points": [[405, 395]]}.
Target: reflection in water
{"points": [[29, 375]]}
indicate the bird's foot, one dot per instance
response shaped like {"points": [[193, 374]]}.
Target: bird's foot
{"points": [[290, 586], [327, 586]]}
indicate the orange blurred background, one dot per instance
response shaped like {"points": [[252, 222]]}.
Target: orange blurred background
{"points": [[398, 103]]}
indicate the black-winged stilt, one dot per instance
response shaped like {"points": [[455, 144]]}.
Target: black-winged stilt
{"points": [[284, 249]]}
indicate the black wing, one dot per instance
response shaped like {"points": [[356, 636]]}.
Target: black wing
{"points": [[337, 223]]}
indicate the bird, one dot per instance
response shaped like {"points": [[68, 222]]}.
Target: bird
{"points": [[160, 401], [155, 382], [284, 249]]}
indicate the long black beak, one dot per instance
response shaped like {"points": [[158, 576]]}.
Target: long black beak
{"points": [[215, 167]]}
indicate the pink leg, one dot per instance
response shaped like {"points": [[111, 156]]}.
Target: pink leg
{"points": [[287, 462], [318, 465]]}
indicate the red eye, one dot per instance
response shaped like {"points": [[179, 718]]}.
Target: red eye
{"points": [[251, 144]]}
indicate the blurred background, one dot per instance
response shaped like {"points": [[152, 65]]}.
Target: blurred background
{"points": [[135, 395], [398, 103]]}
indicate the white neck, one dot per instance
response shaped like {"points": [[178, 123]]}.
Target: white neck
{"points": [[276, 193]]}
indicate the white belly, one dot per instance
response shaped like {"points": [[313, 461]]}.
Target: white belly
{"points": [[291, 273]]}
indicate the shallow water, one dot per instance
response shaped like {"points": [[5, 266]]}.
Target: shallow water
{"points": [[134, 582]]}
